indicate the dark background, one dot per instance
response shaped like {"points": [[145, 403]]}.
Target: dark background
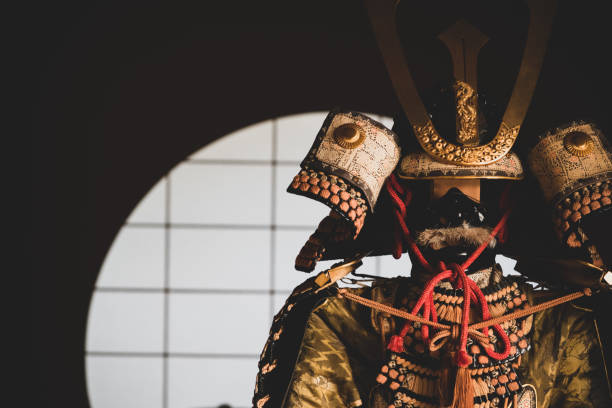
{"points": [[114, 95]]}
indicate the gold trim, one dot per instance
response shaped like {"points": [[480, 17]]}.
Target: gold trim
{"points": [[450, 153], [578, 143], [467, 112], [464, 41], [330, 276], [590, 265], [535, 393], [459, 177], [349, 135], [603, 357], [582, 309], [419, 165], [383, 18]]}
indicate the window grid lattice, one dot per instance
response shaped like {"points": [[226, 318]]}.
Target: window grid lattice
{"points": [[169, 292]]}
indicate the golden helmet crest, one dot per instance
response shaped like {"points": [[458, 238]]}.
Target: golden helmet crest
{"points": [[463, 42]]}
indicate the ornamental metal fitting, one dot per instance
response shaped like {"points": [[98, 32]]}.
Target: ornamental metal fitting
{"points": [[349, 135], [464, 42], [578, 143]]}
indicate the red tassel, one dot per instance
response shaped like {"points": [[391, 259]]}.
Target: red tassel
{"points": [[464, 389], [396, 344], [463, 359]]}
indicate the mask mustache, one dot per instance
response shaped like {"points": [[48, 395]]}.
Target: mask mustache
{"points": [[464, 235]]}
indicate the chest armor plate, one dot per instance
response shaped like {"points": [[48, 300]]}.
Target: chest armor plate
{"points": [[419, 377]]}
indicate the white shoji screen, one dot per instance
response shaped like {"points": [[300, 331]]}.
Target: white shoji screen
{"points": [[186, 294]]}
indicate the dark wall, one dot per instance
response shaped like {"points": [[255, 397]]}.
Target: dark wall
{"points": [[117, 94], [125, 92]]}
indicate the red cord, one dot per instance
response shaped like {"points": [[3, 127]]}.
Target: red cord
{"points": [[401, 198], [504, 205], [455, 274]]}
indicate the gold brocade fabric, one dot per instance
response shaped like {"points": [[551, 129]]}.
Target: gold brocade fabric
{"points": [[565, 363], [341, 351]]}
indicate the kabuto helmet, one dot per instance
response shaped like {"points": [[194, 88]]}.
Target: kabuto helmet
{"points": [[353, 155], [455, 332], [465, 155]]}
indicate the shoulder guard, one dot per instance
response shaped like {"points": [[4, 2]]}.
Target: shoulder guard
{"points": [[345, 169], [573, 166]]}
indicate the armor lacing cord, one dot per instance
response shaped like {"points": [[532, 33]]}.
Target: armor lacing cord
{"points": [[474, 332], [455, 273], [401, 197], [463, 389]]}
